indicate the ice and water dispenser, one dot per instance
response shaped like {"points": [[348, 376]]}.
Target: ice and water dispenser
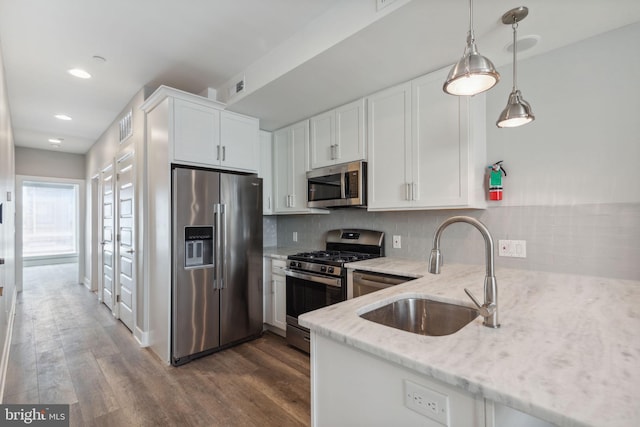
{"points": [[198, 247]]}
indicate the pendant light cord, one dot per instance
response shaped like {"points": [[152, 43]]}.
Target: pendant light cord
{"points": [[515, 51], [471, 38]]}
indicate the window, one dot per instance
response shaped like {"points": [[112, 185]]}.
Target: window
{"points": [[50, 221]]}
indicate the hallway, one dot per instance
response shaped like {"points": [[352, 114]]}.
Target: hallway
{"points": [[68, 348]]}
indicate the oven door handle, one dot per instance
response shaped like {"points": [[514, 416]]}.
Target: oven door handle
{"points": [[336, 283]]}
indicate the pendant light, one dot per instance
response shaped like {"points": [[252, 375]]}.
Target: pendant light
{"points": [[473, 73], [518, 111]]}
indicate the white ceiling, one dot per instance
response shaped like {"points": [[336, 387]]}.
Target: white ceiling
{"points": [[195, 44]]}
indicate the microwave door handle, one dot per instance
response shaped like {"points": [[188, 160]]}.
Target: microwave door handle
{"points": [[344, 185]]}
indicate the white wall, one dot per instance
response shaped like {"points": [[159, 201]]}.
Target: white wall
{"points": [[584, 146], [573, 185], [51, 164], [7, 228], [104, 152]]}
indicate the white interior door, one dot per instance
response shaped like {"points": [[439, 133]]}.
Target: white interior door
{"points": [[126, 239], [107, 243]]}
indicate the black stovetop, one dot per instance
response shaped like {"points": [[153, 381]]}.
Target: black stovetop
{"points": [[337, 258]]}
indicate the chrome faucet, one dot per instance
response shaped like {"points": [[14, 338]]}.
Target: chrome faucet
{"points": [[488, 310]]}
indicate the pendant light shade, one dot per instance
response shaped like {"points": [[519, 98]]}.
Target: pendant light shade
{"points": [[473, 73], [518, 111]]}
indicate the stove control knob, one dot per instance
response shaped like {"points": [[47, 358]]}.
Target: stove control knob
{"points": [[299, 265], [331, 270], [292, 264], [323, 268]]}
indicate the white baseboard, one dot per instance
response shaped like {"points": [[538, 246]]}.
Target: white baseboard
{"points": [[87, 283], [4, 362], [141, 336], [275, 330]]}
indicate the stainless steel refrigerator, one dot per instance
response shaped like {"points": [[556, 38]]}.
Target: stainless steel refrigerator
{"points": [[217, 261]]}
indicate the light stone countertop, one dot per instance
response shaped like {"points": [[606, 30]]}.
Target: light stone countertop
{"points": [[280, 252], [568, 350]]}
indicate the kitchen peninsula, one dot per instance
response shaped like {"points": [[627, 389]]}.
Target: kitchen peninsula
{"points": [[567, 352]]}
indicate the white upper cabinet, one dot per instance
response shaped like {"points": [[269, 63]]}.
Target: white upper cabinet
{"points": [[196, 133], [290, 166], [389, 148], [266, 171], [449, 145], [338, 136], [427, 149], [239, 142], [201, 133]]}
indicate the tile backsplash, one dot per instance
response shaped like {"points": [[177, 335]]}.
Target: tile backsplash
{"points": [[596, 239], [269, 231]]}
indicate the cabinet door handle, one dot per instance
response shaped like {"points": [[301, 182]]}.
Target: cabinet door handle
{"points": [[218, 155], [407, 191], [268, 202], [337, 152], [224, 153], [414, 191]]}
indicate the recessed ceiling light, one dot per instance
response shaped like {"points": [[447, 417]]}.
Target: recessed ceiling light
{"points": [[524, 43], [62, 117], [55, 140], [80, 73]]}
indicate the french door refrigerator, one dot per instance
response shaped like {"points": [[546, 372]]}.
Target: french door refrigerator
{"points": [[217, 261]]}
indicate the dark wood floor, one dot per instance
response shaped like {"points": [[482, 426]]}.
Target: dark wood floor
{"points": [[67, 348]]}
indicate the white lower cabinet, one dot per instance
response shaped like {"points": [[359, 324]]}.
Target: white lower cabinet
{"points": [[351, 387], [354, 388], [279, 295], [274, 303], [426, 149]]}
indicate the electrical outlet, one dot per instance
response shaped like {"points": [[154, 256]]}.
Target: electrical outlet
{"points": [[427, 402], [295, 236], [397, 242], [512, 248]]}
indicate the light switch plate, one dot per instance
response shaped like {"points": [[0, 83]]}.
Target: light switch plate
{"points": [[512, 248], [397, 242]]}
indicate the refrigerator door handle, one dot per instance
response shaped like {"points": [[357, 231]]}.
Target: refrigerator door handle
{"points": [[217, 246], [223, 255]]}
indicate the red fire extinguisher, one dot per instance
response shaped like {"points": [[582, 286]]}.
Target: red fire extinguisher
{"points": [[495, 180]]}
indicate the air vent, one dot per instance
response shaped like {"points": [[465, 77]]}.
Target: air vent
{"points": [[126, 127], [237, 88]]}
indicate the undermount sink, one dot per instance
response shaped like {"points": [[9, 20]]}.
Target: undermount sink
{"points": [[423, 316]]}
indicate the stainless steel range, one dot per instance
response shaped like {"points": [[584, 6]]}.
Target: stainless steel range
{"points": [[318, 279]]}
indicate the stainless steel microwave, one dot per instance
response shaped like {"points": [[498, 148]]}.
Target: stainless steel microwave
{"points": [[338, 186]]}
